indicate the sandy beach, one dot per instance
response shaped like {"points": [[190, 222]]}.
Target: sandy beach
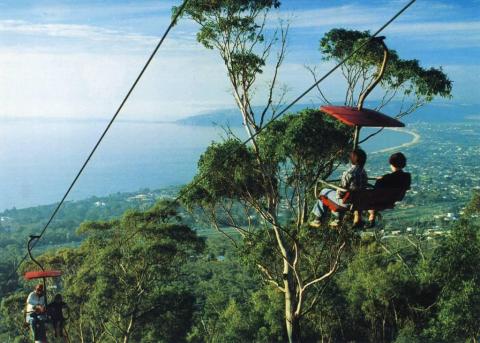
{"points": [[415, 139]]}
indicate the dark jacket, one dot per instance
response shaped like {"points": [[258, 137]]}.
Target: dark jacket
{"points": [[398, 179], [55, 311]]}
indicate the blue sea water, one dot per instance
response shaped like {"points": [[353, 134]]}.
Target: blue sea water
{"points": [[39, 158]]}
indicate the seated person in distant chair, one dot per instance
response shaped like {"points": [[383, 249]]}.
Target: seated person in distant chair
{"points": [[35, 313], [354, 178], [397, 180], [55, 311]]}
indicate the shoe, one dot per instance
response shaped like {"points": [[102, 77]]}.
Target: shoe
{"points": [[317, 223], [335, 223], [371, 224], [358, 225]]}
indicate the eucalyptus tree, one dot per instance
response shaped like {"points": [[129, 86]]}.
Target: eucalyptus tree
{"points": [[238, 30], [125, 282], [405, 81], [455, 268], [267, 203], [263, 191]]}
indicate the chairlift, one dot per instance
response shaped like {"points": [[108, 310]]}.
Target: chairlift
{"points": [[358, 117], [42, 274]]}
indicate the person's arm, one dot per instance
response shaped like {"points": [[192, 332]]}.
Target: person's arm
{"points": [[36, 302], [30, 300], [382, 181], [346, 178]]}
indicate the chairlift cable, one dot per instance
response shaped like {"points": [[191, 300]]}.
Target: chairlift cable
{"points": [[326, 75], [274, 118], [201, 178], [120, 107]]}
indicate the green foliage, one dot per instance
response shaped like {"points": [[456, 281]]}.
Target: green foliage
{"points": [[232, 305], [216, 17], [454, 266], [473, 208], [404, 77], [230, 25], [304, 146], [132, 287], [226, 170], [309, 142], [380, 293], [458, 314], [13, 318], [237, 30]]}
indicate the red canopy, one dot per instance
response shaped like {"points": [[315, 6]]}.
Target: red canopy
{"points": [[41, 274], [353, 117]]}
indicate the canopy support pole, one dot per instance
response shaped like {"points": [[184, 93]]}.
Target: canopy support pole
{"points": [[378, 78], [380, 73], [29, 248], [356, 136]]}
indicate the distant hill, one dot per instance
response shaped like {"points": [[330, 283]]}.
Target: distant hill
{"points": [[431, 113], [228, 117], [444, 112]]}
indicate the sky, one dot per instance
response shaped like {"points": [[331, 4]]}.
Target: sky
{"points": [[77, 59]]}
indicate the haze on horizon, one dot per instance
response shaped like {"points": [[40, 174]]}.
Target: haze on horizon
{"points": [[71, 59]]}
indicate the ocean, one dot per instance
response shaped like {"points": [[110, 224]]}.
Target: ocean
{"points": [[40, 158]]}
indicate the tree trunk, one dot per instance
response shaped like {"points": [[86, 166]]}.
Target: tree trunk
{"points": [[291, 319]]}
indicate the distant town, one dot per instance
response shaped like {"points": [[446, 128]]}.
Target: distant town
{"points": [[444, 167]]}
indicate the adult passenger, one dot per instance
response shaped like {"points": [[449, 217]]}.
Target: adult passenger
{"points": [[398, 181], [55, 312], [36, 313], [354, 178]]}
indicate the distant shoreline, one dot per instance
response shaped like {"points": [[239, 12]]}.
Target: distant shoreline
{"points": [[415, 140]]}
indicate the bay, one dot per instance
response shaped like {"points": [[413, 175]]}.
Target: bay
{"points": [[40, 158]]}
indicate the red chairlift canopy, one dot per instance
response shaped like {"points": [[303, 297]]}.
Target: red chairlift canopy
{"points": [[42, 274], [365, 117]]}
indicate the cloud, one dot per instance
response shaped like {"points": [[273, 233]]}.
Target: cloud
{"points": [[351, 15], [416, 23], [84, 69], [87, 85], [85, 10], [44, 36], [88, 32], [448, 34]]}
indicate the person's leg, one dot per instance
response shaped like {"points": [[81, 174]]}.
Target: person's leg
{"points": [[319, 210], [62, 328], [357, 219], [333, 196], [55, 327], [38, 329], [371, 219], [30, 321]]}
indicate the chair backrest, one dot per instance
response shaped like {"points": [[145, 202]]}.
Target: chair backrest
{"points": [[374, 199]]}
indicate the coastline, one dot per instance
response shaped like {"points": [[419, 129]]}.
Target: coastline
{"points": [[416, 139]]}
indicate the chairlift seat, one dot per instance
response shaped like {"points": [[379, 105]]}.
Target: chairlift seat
{"points": [[367, 199]]}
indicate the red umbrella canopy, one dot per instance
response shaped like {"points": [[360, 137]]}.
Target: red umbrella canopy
{"points": [[42, 274], [353, 117]]}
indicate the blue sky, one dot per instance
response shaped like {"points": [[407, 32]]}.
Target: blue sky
{"points": [[78, 58]]}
